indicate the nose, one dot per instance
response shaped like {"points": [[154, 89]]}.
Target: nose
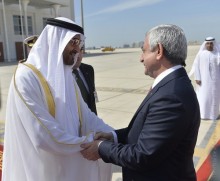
{"points": [[141, 58], [77, 48]]}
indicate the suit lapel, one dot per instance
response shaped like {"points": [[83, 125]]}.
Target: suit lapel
{"points": [[86, 76], [178, 73]]}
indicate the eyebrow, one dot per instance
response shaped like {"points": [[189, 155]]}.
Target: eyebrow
{"points": [[75, 39]]}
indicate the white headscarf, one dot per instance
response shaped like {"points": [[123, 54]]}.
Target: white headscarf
{"points": [[47, 56], [202, 48], [209, 39]]}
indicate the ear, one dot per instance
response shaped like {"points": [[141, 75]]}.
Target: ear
{"points": [[160, 50]]}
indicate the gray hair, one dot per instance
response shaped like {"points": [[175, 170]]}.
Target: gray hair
{"points": [[173, 40]]}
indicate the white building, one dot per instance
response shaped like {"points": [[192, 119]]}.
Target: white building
{"points": [[14, 29]]}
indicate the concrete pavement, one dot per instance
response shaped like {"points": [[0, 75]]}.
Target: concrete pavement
{"points": [[121, 86]]}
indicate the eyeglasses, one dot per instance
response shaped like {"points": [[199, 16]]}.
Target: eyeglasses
{"points": [[75, 41]]}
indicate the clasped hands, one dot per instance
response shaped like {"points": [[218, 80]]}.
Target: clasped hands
{"points": [[90, 150]]}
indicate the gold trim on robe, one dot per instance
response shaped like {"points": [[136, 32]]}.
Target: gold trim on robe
{"points": [[49, 97], [51, 103]]}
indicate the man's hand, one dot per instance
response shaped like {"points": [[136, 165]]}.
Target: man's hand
{"points": [[104, 136], [90, 151], [198, 82]]}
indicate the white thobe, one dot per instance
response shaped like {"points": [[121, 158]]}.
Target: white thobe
{"points": [[40, 148], [207, 70]]}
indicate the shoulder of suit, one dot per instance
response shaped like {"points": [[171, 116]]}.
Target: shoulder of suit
{"points": [[86, 66]]}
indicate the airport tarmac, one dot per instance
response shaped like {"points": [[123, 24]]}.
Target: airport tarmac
{"points": [[121, 86]]}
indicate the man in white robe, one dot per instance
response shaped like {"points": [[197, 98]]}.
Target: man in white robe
{"points": [[206, 69], [46, 117]]}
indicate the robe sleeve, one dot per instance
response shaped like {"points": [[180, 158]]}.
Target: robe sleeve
{"points": [[92, 123], [197, 75], [43, 130]]}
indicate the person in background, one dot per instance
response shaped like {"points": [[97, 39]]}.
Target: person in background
{"points": [[29, 42], [85, 78], [159, 142], [206, 69], [46, 117]]}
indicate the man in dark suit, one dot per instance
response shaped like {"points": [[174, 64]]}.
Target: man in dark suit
{"points": [[85, 79], [159, 142]]}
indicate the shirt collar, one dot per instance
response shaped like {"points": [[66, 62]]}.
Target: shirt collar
{"points": [[164, 74]]}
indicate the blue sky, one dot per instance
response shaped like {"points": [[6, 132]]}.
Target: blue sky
{"points": [[118, 22]]}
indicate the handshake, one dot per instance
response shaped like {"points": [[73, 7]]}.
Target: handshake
{"points": [[90, 150]]}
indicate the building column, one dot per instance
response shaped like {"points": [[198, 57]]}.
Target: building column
{"points": [[56, 8], [82, 22], [24, 5], [72, 9], [7, 56], [82, 17]]}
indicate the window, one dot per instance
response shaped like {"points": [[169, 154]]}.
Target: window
{"points": [[30, 27], [18, 25]]}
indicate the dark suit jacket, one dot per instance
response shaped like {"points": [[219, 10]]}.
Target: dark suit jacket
{"points": [[88, 73], [158, 144]]}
